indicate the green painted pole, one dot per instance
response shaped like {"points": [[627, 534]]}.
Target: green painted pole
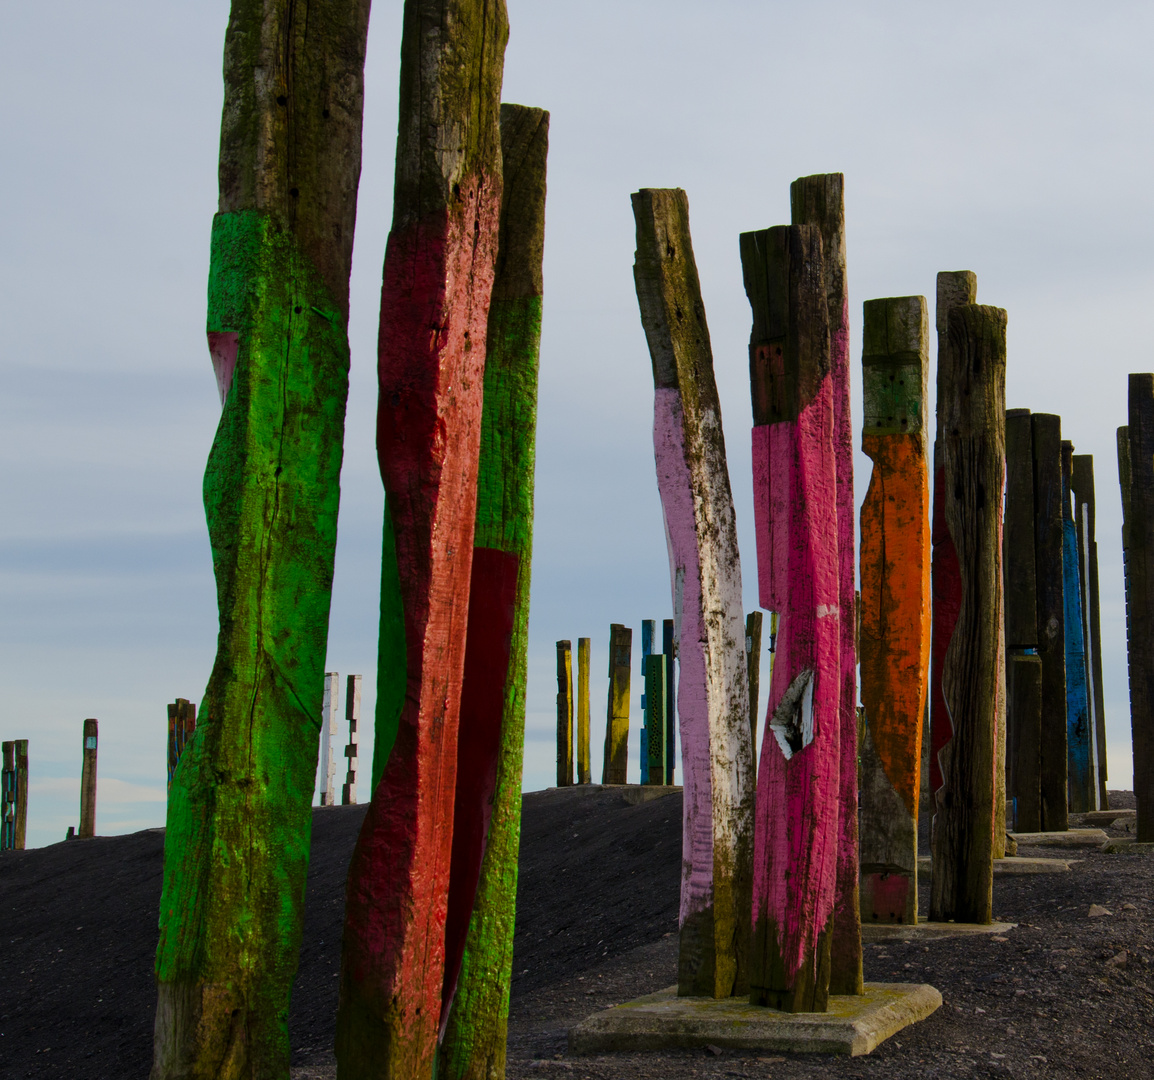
{"points": [[476, 1021], [239, 811]]}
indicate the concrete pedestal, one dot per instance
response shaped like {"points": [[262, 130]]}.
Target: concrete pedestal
{"points": [[853, 1025]]}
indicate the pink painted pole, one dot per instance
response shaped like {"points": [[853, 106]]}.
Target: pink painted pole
{"points": [[709, 636], [819, 200], [796, 830]]}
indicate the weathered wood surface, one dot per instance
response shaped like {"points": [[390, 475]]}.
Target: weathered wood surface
{"points": [[584, 774], [753, 622], [14, 795], [705, 580], [894, 610], [1048, 545], [795, 505], [669, 648], [648, 631], [487, 809], [1024, 705], [353, 718], [239, 812], [972, 400], [655, 727], [87, 827], [564, 713], [1140, 563], [438, 272], [1082, 485], [1023, 780], [955, 288], [614, 768], [181, 725], [1123, 444], [330, 711], [1079, 729], [819, 200]]}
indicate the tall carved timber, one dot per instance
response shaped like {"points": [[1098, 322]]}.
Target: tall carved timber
{"points": [[894, 641], [239, 810], [705, 576], [819, 200], [438, 273], [487, 810], [1140, 556], [972, 400], [796, 828]]}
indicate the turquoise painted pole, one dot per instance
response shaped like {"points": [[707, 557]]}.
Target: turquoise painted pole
{"points": [[1079, 734]]}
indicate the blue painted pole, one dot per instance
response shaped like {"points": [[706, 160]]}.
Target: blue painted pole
{"points": [[1078, 734]]}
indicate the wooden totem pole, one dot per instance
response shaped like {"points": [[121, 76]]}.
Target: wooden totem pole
{"points": [[795, 504], [239, 811], [668, 647], [955, 289], [1079, 728], [181, 725], [1139, 508], [438, 273], [1082, 485], [894, 640], [1049, 541], [14, 795], [1023, 665], [584, 775], [819, 200], [564, 713], [705, 577], [753, 623], [490, 745], [972, 400], [615, 764]]}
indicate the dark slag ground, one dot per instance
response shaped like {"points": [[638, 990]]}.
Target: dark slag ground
{"points": [[1066, 995]]}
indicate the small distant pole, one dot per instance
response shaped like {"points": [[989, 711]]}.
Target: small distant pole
{"points": [[181, 725], [584, 775], [330, 706], [648, 629], [616, 761], [564, 713], [88, 782], [13, 795], [753, 661], [670, 651], [353, 716], [654, 728]]}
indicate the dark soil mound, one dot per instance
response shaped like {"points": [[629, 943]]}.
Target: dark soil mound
{"points": [[596, 925]]}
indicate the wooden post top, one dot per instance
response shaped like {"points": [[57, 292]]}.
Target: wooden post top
{"points": [[977, 334], [1067, 462], [895, 365], [955, 288], [668, 289], [788, 358], [820, 200]]}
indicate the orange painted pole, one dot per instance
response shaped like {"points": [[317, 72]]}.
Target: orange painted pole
{"points": [[894, 641]]}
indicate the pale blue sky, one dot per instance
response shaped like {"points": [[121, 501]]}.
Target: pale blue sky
{"points": [[1012, 140]]}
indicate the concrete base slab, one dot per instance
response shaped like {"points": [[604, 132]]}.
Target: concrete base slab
{"points": [[1017, 864], [1069, 838], [926, 931], [1126, 846], [1104, 817], [853, 1025], [1023, 864]]}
